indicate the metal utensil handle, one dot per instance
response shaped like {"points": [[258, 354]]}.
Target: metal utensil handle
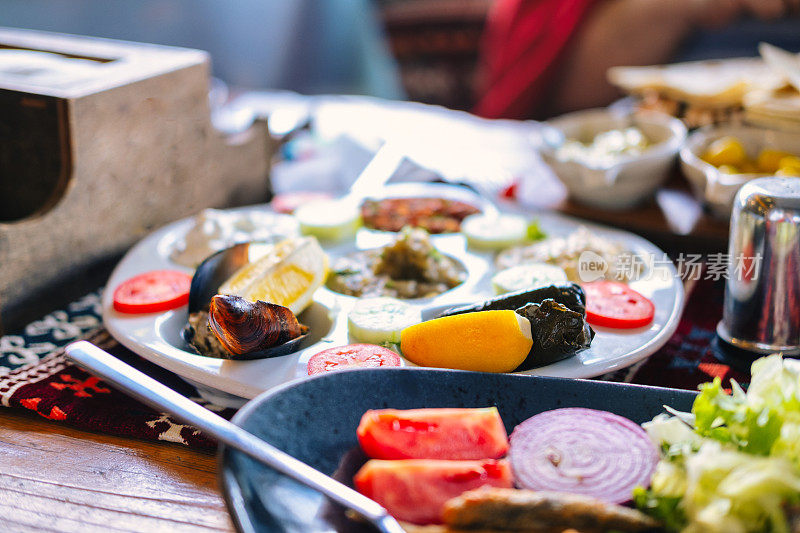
{"points": [[161, 397]]}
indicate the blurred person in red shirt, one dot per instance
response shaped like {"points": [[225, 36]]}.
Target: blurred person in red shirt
{"points": [[545, 57]]}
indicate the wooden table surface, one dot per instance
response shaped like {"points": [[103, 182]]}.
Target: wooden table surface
{"points": [[55, 478]]}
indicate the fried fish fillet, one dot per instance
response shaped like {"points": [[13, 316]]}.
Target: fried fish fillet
{"points": [[510, 510]]}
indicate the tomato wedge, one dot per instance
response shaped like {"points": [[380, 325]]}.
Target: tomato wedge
{"points": [[352, 356], [415, 490], [153, 292], [615, 305], [433, 434]]}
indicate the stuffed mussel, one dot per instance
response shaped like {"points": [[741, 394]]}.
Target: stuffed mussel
{"points": [[244, 301], [244, 327], [236, 328], [557, 314]]}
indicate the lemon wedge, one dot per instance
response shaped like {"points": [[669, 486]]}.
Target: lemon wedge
{"points": [[287, 275], [484, 341]]}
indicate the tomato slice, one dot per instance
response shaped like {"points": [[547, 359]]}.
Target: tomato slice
{"points": [[153, 292], [415, 490], [352, 356], [433, 434], [288, 202], [615, 305]]}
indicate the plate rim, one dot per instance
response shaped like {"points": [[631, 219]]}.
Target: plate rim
{"points": [[198, 375], [232, 490]]}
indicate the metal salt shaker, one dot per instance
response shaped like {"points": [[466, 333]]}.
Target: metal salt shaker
{"points": [[762, 293]]}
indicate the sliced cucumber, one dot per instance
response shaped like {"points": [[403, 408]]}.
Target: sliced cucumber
{"points": [[528, 276], [494, 232], [380, 320], [328, 220]]}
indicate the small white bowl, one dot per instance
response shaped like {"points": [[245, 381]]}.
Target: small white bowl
{"points": [[717, 189], [631, 179]]}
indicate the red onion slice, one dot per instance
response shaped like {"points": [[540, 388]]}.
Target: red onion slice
{"points": [[582, 451]]}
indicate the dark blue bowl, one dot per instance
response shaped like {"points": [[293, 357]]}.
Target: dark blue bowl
{"points": [[315, 421]]}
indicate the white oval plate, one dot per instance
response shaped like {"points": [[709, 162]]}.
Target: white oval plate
{"points": [[157, 336]]}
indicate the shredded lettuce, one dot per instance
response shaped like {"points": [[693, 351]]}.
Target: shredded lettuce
{"points": [[665, 509], [733, 463], [750, 425]]}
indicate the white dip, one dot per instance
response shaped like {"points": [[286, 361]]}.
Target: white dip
{"points": [[216, 230]]}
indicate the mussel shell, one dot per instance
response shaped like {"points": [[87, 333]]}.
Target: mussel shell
{"points": [[244, 327], [218, 267], [275, 351], [188, 333]]}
